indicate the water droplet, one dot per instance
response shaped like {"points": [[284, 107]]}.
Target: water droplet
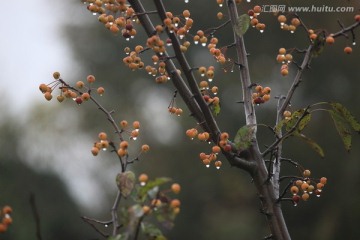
{"points": [[248, 0], [168, 44], [133, 138], [251, 17], [142, 183], [94, 13], [187, 19], [106, 225], [196, 42], [291, 31], [217, 167], [208, 165], [261, 31], [186, 1], [354, 43], [203, 44], [203, 74], [295, 204], [209, 142], [220, 5], [176, 24], [181, 36], [318, 195], [127, 39], [104, 149]]}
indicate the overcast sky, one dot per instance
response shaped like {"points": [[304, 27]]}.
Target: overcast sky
{"points": [[32, 46]]}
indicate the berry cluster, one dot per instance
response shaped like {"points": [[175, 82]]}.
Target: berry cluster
{"points": [[172, 108], [285, 59], [304, 186], [66, 91], [206, 159], [254, 21], [161, 202], [103, 143], [288, 26], [6, 219], [115, 15], [261, 95]]}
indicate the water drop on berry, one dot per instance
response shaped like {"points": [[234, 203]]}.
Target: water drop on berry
{"points": [[208, 165]]}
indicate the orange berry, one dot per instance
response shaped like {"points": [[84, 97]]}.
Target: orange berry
{"points": [[287, 114], [348, 50], [122, 152], [145, 148], [294, 190], [304, 186], [102, 136], [146, 210], [296, 22], [298, 183], [60, 98], [284, 72], [3, 228], [266, 97], [281, 18], [257, 9], [134, 134], [100, 90], [319, 185], [56, 75], [186, 13], [220, 15], [7, 220], [143, 178], [178, 111], [266, 90], [175, 203], [323, 180], [282, 51], [94, 151], [85, 96], [175, 188], [7, 210], [48, 96], [306, 173], [80, 84], [136, 124], [313, 36], [259, 88], [224, 136], [218, 164], [123, 124], [206, 161], [305, 196], [357, 17], [124, 144], [216, 149], [90, 78], [191, 132], [330, 40]]}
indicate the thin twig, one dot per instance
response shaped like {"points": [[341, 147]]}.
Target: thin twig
{"points": [[36, 216]]}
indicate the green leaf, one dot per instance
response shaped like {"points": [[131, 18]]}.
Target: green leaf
{"points": [[345, 113], [311, 143], [118, 237], [125, 181], [216, 109], [242, 24], [244, 137], [295, 116], [152, 187], [342, 128], [152, 231]]}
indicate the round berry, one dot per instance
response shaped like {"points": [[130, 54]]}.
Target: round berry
{"points": [[145, 148], [306, 173], [7, 210], [348, 50], [143, 178], [146, 210], [330, 40], [90, 78], [102, 136], [323, 180], [175, 203], [294, 190], [357, 17], [56, 75], [305, 196], [175, 188]]}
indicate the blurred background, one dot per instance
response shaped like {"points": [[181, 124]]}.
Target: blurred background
{"points": [[45, 146]]}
